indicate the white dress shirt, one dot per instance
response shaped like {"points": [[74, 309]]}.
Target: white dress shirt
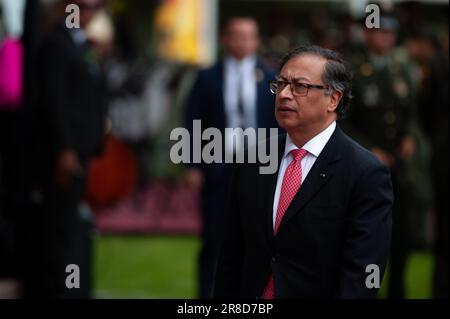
{"points": [[314, 147], [239, 77]]}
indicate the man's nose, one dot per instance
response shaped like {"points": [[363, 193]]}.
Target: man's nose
{"points": [[286, 92]]}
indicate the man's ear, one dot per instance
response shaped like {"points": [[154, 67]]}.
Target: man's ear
{"points": [[335, 98]]}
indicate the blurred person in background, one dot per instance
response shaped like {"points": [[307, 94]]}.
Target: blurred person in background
{"points": [[70, 125], [433, 100], [232, 93], [383, 120], [12, 14]]}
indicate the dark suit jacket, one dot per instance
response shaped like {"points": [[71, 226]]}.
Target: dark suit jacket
{"points": [[338, 223], [72, 97], [206, 103]]}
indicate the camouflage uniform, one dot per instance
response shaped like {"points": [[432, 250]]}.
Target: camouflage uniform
{"points": [[382, 114]]}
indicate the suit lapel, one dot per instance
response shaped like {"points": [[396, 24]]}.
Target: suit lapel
{"points": [[260, 88], [267, 184], [84, 55], [220, 82], [321, 172], [262, 93]]}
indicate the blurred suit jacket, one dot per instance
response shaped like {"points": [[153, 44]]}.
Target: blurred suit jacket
{"points": [[206, 103], [72, 98], [70, 114], [338, 223]]}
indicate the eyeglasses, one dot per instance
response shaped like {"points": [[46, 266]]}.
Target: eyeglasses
{"points": [[297, 88]]}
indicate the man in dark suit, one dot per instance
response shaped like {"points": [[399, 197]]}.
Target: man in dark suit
{"points": [[321, 226], [70, 121], [233, 93]]}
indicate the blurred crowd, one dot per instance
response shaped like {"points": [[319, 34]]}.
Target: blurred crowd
{"points": [[74, 101]]}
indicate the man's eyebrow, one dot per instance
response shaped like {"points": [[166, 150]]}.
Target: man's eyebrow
{"points": [[301, 78]]}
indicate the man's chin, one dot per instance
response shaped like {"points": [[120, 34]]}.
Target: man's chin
{"points": [[287, 125]]}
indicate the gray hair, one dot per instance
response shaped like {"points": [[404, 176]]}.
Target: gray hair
{"points": [[336, 75]]}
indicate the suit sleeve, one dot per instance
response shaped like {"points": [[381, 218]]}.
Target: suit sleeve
{"points": [[228, 271], [368, 234], [55, 83]]}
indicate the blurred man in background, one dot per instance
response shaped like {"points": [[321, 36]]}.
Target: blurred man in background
{"points": [[382, 119], [433, 100], [232, 93], [15, 63], [70, 122]]}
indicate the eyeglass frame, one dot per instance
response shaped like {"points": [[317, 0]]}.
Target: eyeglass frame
{"points": [[291, 83]]}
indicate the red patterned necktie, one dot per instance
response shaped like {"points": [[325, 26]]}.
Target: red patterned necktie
{"points": [[292, 180]]}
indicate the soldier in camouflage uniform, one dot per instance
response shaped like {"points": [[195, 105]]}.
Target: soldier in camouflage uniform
{"points": [[381, 118]]}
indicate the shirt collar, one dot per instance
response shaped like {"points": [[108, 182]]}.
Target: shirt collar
{"points": [[247, 62], [315, 145], [78, 36]]}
